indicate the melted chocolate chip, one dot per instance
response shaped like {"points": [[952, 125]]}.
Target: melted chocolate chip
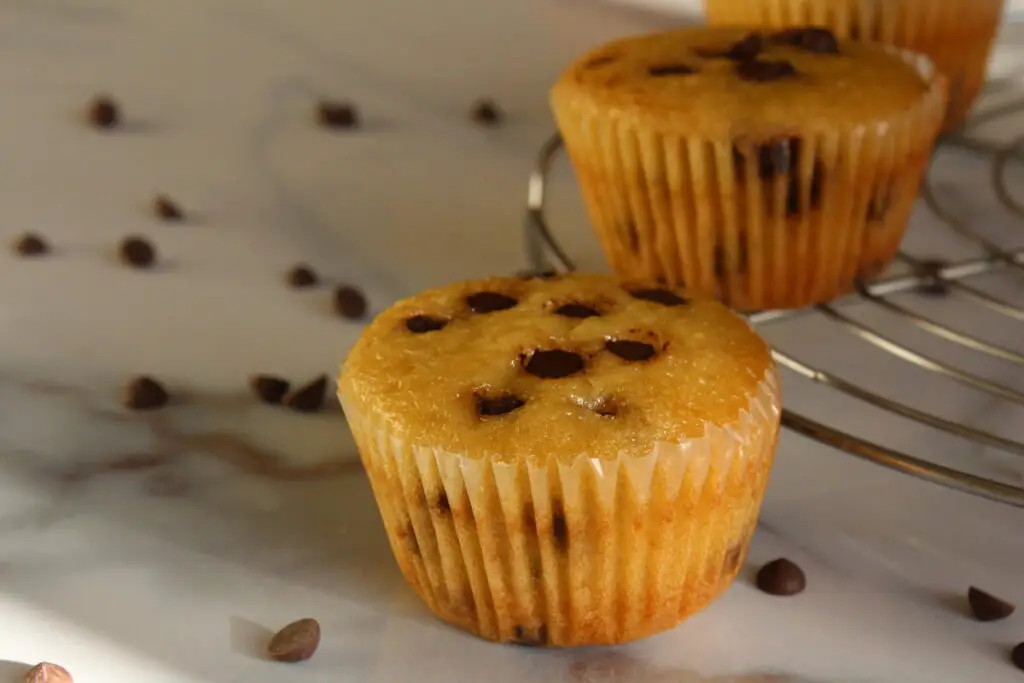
{"points": [[928, 272], [606, 407], [490, 406], [577, 311], [31, 244], [629, 350], [527, 638], [671, 70], [421, 324], [553, 364], [559, 527], [781, 577], [987, 607], [742, 50], [489, 302], [659, 296], [813, 39], [764, 70]]}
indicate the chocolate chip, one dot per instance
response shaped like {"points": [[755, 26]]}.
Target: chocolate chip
{"points": [[527, 638], [296, 642], [144, 393], [778, 157], [764, 70], [781, 577], [632, 351], [442, 504], [1017, 656], [793, 198], [489, 302], [486, 113], [987, 607], [45, 672], [928, 272], [301, 276], [490, 406], [166, 209], [104, 112], [553, 364], [813, 39], [577, 311], [309, 398], [137, 252], [559, 527], [659, 296], [421, 324], [349, 302], [671, 70], [268, 388], [31, 244], [333, 114], [742, 50]]}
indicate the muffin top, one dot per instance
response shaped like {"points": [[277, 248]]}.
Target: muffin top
{"points": [[722, 80], [534, 368]]}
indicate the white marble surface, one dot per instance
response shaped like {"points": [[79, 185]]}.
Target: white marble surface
{"points": [[164, 547]]}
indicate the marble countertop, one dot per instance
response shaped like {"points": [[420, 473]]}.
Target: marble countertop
{"points": [[166, 546]]}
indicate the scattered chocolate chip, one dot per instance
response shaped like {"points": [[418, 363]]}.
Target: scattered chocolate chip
{"points": [[764, 70], [659, 296], [421, 324], [559, 527], [144, 393], [747, 48], [928, 272], [309, 398], [268, 388], [333, 114], [486, 113], [301, 276], [527, 638], [599, 61], [137, 252], [987, 607], [296, 642], [490, 406], [813, 39], [671, 70], [31, 244], [489, 302], [553, 364], [577, 311], [45, 672], [349, 302], [442, 504], [166, 209], [1017, 656], [781, 577], [632, 351], [104, 112]]}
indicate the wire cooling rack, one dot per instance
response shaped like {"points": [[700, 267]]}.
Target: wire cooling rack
{"points": [[544, 252]]}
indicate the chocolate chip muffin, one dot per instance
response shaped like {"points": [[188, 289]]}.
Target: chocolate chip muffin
{"points": [[768, 169], [568, 461], [956, 34]]}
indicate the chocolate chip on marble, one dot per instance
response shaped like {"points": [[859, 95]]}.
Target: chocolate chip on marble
{"points": [[104, 112], [629, 350], [335, 114], [746, 48], [781, 577], [349, 302], [137, 252], [658, 296], [502, 404], [486, 113], [296, 642], [308, 398], [31, 244], [1017, 656], [144, 393], [660, 70], [421, 324], [577, 310], [813, 39], [929, 273], [764, 70], [167, 209], [269, 389], [301, 276], [489, 302], [45, 672], [559, 526], [987, 607], [530, 637], [553, 363]]}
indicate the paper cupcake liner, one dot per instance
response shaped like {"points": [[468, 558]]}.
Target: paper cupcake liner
{"points": [[697, 212], [956, 34], [571, 551]]}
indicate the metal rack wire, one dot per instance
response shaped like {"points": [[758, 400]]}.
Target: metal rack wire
{"points": [[545, 253]]}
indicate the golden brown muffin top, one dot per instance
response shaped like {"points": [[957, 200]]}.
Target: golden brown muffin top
{"points": [[734, 80], [511, 368]]}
